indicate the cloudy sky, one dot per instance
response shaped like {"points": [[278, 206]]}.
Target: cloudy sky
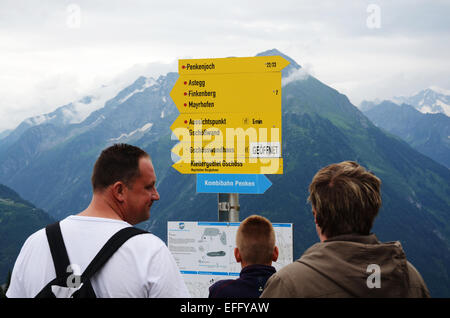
{"points": [[55, 52]]}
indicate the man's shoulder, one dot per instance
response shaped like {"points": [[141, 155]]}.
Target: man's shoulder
{"points": [[34, 246], [145, 241], [417, 282], [285, 282], [37, 237], [289, 276], [145, 248], [220, 288], [295, 270], [102, 229], [221, 283]]}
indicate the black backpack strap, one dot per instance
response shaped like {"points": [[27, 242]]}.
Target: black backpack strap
{"points": [[110, 247], [57, 249]]}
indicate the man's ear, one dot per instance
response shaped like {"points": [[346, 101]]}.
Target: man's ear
{"points": [[275, 254], [237, 255], [119, 190]]}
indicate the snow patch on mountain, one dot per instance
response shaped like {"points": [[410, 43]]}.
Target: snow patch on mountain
{"points": [[124, 136], [444, 106], [40, 119], [431, 100], [80, 110], [148, 83], [97, 121], [76, 112]]}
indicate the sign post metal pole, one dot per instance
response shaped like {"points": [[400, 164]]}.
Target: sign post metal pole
{"points": [[228, 207]]}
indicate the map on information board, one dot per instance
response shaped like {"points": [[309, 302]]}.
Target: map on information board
{"points": [[204, 251]]}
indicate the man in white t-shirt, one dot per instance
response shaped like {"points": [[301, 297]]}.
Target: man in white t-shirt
{"points": [[124, 189]]}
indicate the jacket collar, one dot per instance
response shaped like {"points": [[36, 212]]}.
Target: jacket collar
{"points": [[257, 269], [354, 237]]}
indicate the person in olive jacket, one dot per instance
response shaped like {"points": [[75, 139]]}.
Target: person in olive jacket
{"points": [[349, 261]]}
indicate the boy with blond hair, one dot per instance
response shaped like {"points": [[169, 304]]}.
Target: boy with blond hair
{"points": [[255, 250]]}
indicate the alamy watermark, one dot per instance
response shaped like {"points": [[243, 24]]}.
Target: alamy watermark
{"points": [[374, 19], [374, 279], [73, 280], [73, 19], [229, 147]]}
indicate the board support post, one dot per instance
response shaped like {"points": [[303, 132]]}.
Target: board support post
{"points": [[228, 207]]}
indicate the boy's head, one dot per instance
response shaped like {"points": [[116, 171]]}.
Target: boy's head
{"points": [[255, 242]]}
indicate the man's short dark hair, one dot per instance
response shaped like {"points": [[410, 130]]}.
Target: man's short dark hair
{"points": [[346, 198], [255, 239], [119, 162]]}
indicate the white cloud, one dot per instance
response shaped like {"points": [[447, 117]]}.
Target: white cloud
{"points": [[45, 63], [295, 75]]}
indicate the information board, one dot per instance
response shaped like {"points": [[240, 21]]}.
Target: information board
{"points": [[204, 251]]}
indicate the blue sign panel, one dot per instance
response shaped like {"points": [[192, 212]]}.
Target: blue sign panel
{"points": [[232, 183]]}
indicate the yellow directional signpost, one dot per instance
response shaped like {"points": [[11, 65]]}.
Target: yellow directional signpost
{"points": [[230, 115], [257, 64], [227, 93]]}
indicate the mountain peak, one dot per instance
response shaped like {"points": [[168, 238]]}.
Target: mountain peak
{"points": [[429, 100]]}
